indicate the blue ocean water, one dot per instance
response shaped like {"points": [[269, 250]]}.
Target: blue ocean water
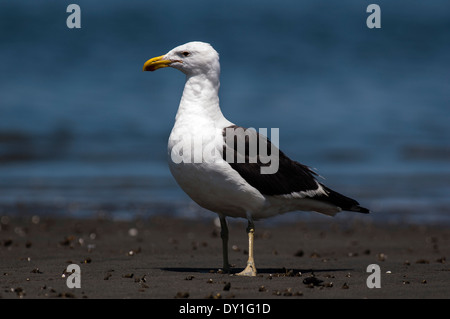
{"points": [[83, 130]]}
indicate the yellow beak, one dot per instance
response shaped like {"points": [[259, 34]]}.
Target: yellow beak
{"points": [[156, 63]]}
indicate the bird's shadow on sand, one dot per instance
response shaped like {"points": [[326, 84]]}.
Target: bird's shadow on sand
{"points": [[279, 271]]}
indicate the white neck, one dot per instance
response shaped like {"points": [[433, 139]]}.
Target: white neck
{"points": [[200, 98]]}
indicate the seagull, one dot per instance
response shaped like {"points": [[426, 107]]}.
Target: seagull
{"points": [[231, 170]]}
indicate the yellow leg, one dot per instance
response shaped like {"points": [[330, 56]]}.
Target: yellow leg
{"points": [[250, 269]]}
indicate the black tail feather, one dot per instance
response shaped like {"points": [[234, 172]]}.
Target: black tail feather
{"points": [[344, 202]]}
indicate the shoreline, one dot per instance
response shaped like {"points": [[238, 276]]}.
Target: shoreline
{"points": [[175, 258]]}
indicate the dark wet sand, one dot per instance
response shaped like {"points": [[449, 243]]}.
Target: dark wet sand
{"points": [[176, 258]]}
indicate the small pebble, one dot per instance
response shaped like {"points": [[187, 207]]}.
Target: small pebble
{"points": [[290, 273], [299, 253], [36, 271], [35, 219], [7, 242], [288, 292], [133, 232], [19, 292], [312, 281], [182, 294]]}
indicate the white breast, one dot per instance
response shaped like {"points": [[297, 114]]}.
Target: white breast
{"points": [[195, 160]]}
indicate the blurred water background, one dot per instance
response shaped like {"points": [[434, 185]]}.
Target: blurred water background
{"points": [[83, 130]]}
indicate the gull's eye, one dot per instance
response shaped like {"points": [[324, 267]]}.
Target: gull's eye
{"points": [[185, 53]]}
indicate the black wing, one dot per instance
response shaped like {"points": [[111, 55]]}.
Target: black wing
{"points": [[291, 176]]}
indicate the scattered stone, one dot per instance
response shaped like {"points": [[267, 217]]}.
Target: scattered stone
{"points": [[133, 232], [133, 252], [36, 271], [20, 292], [182, 294], [290, 273], [7, 242], [288, 292], [312, 281], [67, 241], [299, 253]]}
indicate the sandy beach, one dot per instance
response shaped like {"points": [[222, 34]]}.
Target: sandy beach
{"points": [[176, 258]]}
